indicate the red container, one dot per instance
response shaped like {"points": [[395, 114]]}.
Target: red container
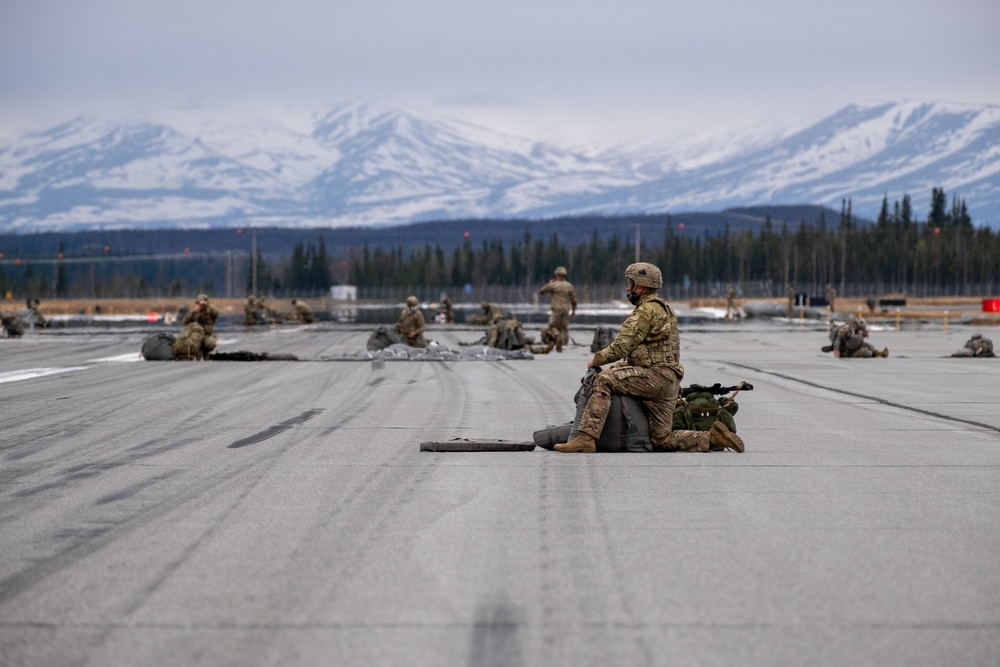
{"points": [[991, 305]]}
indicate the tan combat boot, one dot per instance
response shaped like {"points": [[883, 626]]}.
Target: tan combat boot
{"points": [[582, 443], [720, 436], [883, 353]]}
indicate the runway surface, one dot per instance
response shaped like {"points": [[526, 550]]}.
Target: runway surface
{"points": [[281, 513]]}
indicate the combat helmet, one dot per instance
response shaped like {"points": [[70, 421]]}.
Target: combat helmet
{"points": [[201, 297], [645, 274], [561, 271], [411, 301]]}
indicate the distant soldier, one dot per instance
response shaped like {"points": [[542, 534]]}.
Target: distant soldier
{"points": [[490, 311], [204, 316], [730, 302], [563, 305], [411, 325], [447, 316], [187, 346], [790, 291], [250, 317], [649, 345], [11, 324], [977, 346], [39, 319], [302, 312], [506, 334], [850, 340], [831, 297]]}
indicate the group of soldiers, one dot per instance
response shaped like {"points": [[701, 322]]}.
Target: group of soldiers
{"points": [[502, 331], [12, 324], [256, 311]]}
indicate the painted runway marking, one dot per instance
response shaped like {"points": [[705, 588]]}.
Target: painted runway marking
{"points": [[32, 373]]}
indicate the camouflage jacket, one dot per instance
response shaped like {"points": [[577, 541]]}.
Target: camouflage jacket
{"points": [[411, 322], [563, 295], [648, 338], [206, 318]]}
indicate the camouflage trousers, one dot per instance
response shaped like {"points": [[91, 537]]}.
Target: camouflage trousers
{"points": [[559, 321], [193, 344], [658, 389]]}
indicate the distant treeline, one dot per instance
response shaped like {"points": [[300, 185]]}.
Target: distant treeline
{"points": [[749, 247]]}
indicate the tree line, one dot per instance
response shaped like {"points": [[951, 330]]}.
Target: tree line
{"points": [[895, 253]]}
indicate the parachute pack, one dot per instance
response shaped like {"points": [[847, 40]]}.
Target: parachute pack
{"points": [[627, 427], [603, 336], [698, 408]]}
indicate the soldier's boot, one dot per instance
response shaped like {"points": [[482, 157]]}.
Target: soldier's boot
{"points": [[883, 353], [827, 348], [720, 436], [582, 443]]}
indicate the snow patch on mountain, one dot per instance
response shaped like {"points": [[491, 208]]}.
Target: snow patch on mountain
{"points": [[359, 164]]}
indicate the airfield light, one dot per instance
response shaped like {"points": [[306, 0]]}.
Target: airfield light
{"points": [[152, 316], [467, 234], [187, 251], [937, 230], [680, 225]]}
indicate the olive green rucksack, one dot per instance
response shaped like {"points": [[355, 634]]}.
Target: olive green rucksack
{"points": [[698, 410]]}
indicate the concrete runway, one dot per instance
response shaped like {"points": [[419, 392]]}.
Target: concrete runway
{"points": [[281, 513]]}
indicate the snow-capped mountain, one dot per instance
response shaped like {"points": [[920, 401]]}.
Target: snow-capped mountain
{"points": [[359, 165]]}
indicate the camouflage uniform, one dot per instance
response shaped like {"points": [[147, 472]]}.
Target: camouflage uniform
{"points": [[730, 302], [250, 311], [650, 344], [12, 325], [506, 334], [411, 320], [849, 340], [205, 318], [563, 302], [977, 346], [302, 312], [831, 295], [187, 347]]}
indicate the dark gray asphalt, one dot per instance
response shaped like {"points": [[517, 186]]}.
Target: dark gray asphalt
{"points": [[281, 513]]}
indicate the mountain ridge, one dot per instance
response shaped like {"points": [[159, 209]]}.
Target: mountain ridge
{"points": [[358, 165]]}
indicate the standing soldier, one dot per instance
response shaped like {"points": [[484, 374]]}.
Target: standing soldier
{"points": [[203, 316], [411, 325], [831, 296], [730, 302], [649, 343], [563, 305]]}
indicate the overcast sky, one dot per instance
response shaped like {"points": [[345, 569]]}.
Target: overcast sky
{"points": [[571, 71]]}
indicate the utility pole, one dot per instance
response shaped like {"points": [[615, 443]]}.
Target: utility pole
{"points": [[253, 262], [637, 241]]}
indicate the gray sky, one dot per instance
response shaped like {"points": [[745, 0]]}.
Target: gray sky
{"points": [[571, 71]]}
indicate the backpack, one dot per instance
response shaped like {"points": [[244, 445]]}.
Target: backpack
{"points": [[603, 336], [159, 347], [383, 338], [626, 428], [699, 409]]}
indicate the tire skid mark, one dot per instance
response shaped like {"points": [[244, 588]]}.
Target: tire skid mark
{"points": [[876, 399], [272, 431]]}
